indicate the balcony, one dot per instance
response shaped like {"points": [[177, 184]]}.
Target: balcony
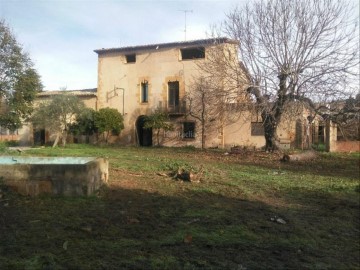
{"points": [[177, 110]]}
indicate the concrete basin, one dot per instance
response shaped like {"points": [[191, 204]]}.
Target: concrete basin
{"points": [[55, 175]]}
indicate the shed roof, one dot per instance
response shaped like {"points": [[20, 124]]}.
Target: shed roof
{"points": [[181, 44]]}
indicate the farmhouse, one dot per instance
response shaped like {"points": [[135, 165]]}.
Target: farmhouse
{"points": [[138, 80]]}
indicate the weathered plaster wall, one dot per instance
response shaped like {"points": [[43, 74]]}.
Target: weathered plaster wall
{"points": [[157, 68], [239, 133]]}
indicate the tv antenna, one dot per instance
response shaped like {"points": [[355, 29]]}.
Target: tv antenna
{"points": [[186, 11]]}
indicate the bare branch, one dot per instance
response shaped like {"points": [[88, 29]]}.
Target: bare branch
{"points": [[305, 51]]}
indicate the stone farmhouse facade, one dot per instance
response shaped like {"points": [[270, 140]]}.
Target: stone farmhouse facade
{"points": [[140, 79], [137, 80]]}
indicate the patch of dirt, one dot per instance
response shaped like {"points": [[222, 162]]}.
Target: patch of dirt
{"points": [[125, 180]]}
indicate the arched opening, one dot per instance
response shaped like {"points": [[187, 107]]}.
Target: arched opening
{"points": [[144, 135]]}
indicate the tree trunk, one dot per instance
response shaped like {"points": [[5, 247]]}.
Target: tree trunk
{"points": [[270, 128], [203, 136], [63, 138], [157, 137], [203, 114], [269, 121], [272, 118], [56, 140]]}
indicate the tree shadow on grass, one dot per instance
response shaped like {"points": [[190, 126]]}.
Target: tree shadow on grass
{"points": [[136, 229]]}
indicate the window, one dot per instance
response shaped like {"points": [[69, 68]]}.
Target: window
{"points": [[130, 58], [192, 53], [144, 92], [173, 94], [257, 129], [189, 130]]}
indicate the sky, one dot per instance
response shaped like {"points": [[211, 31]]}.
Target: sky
{"points": [[61, 35]]}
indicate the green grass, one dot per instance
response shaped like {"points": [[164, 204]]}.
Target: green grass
{"points": [[144, 221]]}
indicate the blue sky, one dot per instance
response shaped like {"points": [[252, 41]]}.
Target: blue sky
{"points": [[60, 35]]}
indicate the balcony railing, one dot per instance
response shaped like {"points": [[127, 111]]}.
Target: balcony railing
{"points": [[179, 109]]}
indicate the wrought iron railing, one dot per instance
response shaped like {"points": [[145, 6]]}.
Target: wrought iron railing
{"points": [[177, 109]]}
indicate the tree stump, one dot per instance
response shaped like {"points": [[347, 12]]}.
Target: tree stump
{"points": [[188, 175]]}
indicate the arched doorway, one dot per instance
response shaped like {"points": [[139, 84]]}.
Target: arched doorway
{"points": [[144, 135]]}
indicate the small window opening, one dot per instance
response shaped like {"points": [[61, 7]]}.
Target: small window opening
{"points": [[189, 130], [144, 92], [130, 58], [257, 129], [192, 53]]}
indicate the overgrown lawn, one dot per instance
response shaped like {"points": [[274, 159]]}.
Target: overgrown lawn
{"points": [[249, 211]]}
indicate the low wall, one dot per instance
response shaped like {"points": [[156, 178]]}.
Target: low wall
{"points": [[34, 178], [347, 146], [9, 137]]}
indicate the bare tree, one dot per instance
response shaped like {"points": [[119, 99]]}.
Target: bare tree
{"points": [[200, 99], [346, 114], [218, 97], [211, 104], [300, 51]]}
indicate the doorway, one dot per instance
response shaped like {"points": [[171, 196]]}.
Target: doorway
{"points": [[144, 135], [39, 137]]}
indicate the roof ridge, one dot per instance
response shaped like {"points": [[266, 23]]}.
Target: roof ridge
{"points": [[156, 46], [81, 92], [71, 90]]}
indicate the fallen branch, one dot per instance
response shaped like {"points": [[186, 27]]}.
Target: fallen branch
{"points": [[162, 174], [304, 156]]}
